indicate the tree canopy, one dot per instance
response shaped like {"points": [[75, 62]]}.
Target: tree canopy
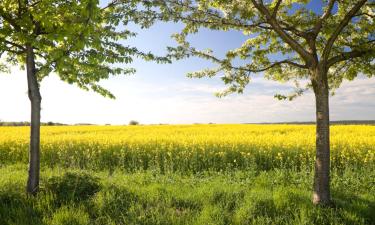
{"points": [[284, 38], [81, 41]]}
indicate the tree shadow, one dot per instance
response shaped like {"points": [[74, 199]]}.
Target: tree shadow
{"points": [[347, 208], [18, 208], [352, 204]]}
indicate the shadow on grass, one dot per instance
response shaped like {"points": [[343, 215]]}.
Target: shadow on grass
{"points": [[353, 205], [70, 189], [17, 208]]}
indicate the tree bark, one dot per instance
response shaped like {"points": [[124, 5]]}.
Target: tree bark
{"points": [[321, 187], [35, 100]]}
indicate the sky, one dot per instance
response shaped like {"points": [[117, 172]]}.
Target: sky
{"points": [[161, 93]]}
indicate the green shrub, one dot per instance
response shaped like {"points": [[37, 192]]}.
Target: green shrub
{"points": [[133, 122], [73, 186]]}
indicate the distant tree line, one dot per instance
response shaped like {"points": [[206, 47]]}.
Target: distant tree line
{"points": [[338, 122], [24, 123]]}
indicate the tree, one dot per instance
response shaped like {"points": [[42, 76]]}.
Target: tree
{"points": [[133, 122], [287, 41], [76, 39]]}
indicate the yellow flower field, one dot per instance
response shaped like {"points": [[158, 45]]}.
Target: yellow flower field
{"points": [[189, 148]]}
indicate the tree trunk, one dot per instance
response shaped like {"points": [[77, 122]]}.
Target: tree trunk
{"points": [[35, 99], [321, 194]]}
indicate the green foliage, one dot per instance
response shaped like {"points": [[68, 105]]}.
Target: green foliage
{"points": [[80, 41], [133, 122], [287, 40]]}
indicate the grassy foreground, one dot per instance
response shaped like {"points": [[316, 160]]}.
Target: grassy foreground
{"points": [[202, 174], [273, 197]]}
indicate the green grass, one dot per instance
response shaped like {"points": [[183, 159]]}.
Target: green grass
{"points": [[278, 196], [203, 174]]}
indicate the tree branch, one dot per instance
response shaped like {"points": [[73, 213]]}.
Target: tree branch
{"points": [[293, 29], [35, 3], [348, 55], [365, 14], [360, 45], [111, 4], [273, 64], [224, 22], [284, 35], [15, 52], [235, 22], [326, 14], [14, 44], [276, 8], [9, 19], [340, 27]]}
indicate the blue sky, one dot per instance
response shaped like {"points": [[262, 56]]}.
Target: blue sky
{"points": [[161, 93]]}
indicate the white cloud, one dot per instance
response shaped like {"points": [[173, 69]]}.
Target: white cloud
{"points": [[180, 102]]}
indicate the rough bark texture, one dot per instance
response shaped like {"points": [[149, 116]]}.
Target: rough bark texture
{"points": [[321, 189], [35, 99]]}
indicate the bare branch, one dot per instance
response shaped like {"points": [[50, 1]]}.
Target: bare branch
{"points": [[340, 27]]}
